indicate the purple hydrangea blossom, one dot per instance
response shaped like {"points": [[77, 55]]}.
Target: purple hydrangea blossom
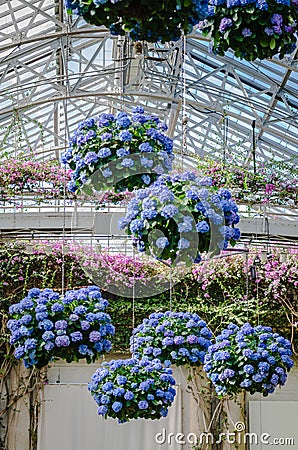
{"points": [[94, 336], [225, 24], [246, 32]]}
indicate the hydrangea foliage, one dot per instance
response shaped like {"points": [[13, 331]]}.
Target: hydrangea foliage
{"points": [[182, 215], [181, 338], [120, 151], [249, 358], [132, 389], [149, 21], [252, 28], [45, 325]]}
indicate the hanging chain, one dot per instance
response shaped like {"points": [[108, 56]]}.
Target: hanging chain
{"points": [[171, 288], [184, 115], [134, 289], [225, 134], [65, 55], [256, 263], [247, 283], [257, 297], [133, 299], [121, 57]]}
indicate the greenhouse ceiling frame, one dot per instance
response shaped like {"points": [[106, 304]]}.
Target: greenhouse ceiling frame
{"points": [[46, 58]]}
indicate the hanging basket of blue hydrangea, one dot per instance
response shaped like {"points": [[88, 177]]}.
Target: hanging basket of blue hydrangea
{"points": [[252, 28], [181, 216], [127, 389], [253, 359], [45, 325], [180, 338], [119, 152], [145, 21]]}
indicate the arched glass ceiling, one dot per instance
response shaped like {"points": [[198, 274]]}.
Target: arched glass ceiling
{"points": [[54, 73]]}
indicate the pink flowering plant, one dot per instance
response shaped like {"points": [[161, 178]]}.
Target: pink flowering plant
{"points": [[252, 28], [180, 338], [45, 325], [180, 216], [145, 21], [274, 182], [222, 288], [126, 389], [119, 152], [41, 180], [26, 182], [82, 263], [248, 358]]}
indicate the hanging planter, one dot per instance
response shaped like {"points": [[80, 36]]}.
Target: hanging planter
{"points": [[133, 389], [149, 21], [181, 338], [253, 28], [121, 152], [181, 216], [252, 359], [45, 325]]}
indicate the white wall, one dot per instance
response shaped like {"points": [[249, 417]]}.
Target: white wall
{"points": [[275, 417]]}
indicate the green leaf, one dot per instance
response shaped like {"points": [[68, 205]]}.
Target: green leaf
{"points": [[264, 41], [272, 43]]}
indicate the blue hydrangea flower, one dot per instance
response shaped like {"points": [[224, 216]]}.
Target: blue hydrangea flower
{"points": [[102, 410], [183, 244], [121, 152], [162, 242], [104, 152], [90, 158], [129, 395], [146, 162], [202, 227], [123, 121], [57, 307], [48, 335], [107, 173], [62, 341], [138, 109], [49, 346], [76, 336], [19, 352], [146, 179], [169, 211], [30, 344], [94, 336], [61, 325], [136, 225], [145, 147], [34, 292], [25, 320], [125, 136], [186, 225], [248, 368], [127, 162], [143, 404]]}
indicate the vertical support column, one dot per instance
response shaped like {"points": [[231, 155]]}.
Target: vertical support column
{"points": [[59, 73]]}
